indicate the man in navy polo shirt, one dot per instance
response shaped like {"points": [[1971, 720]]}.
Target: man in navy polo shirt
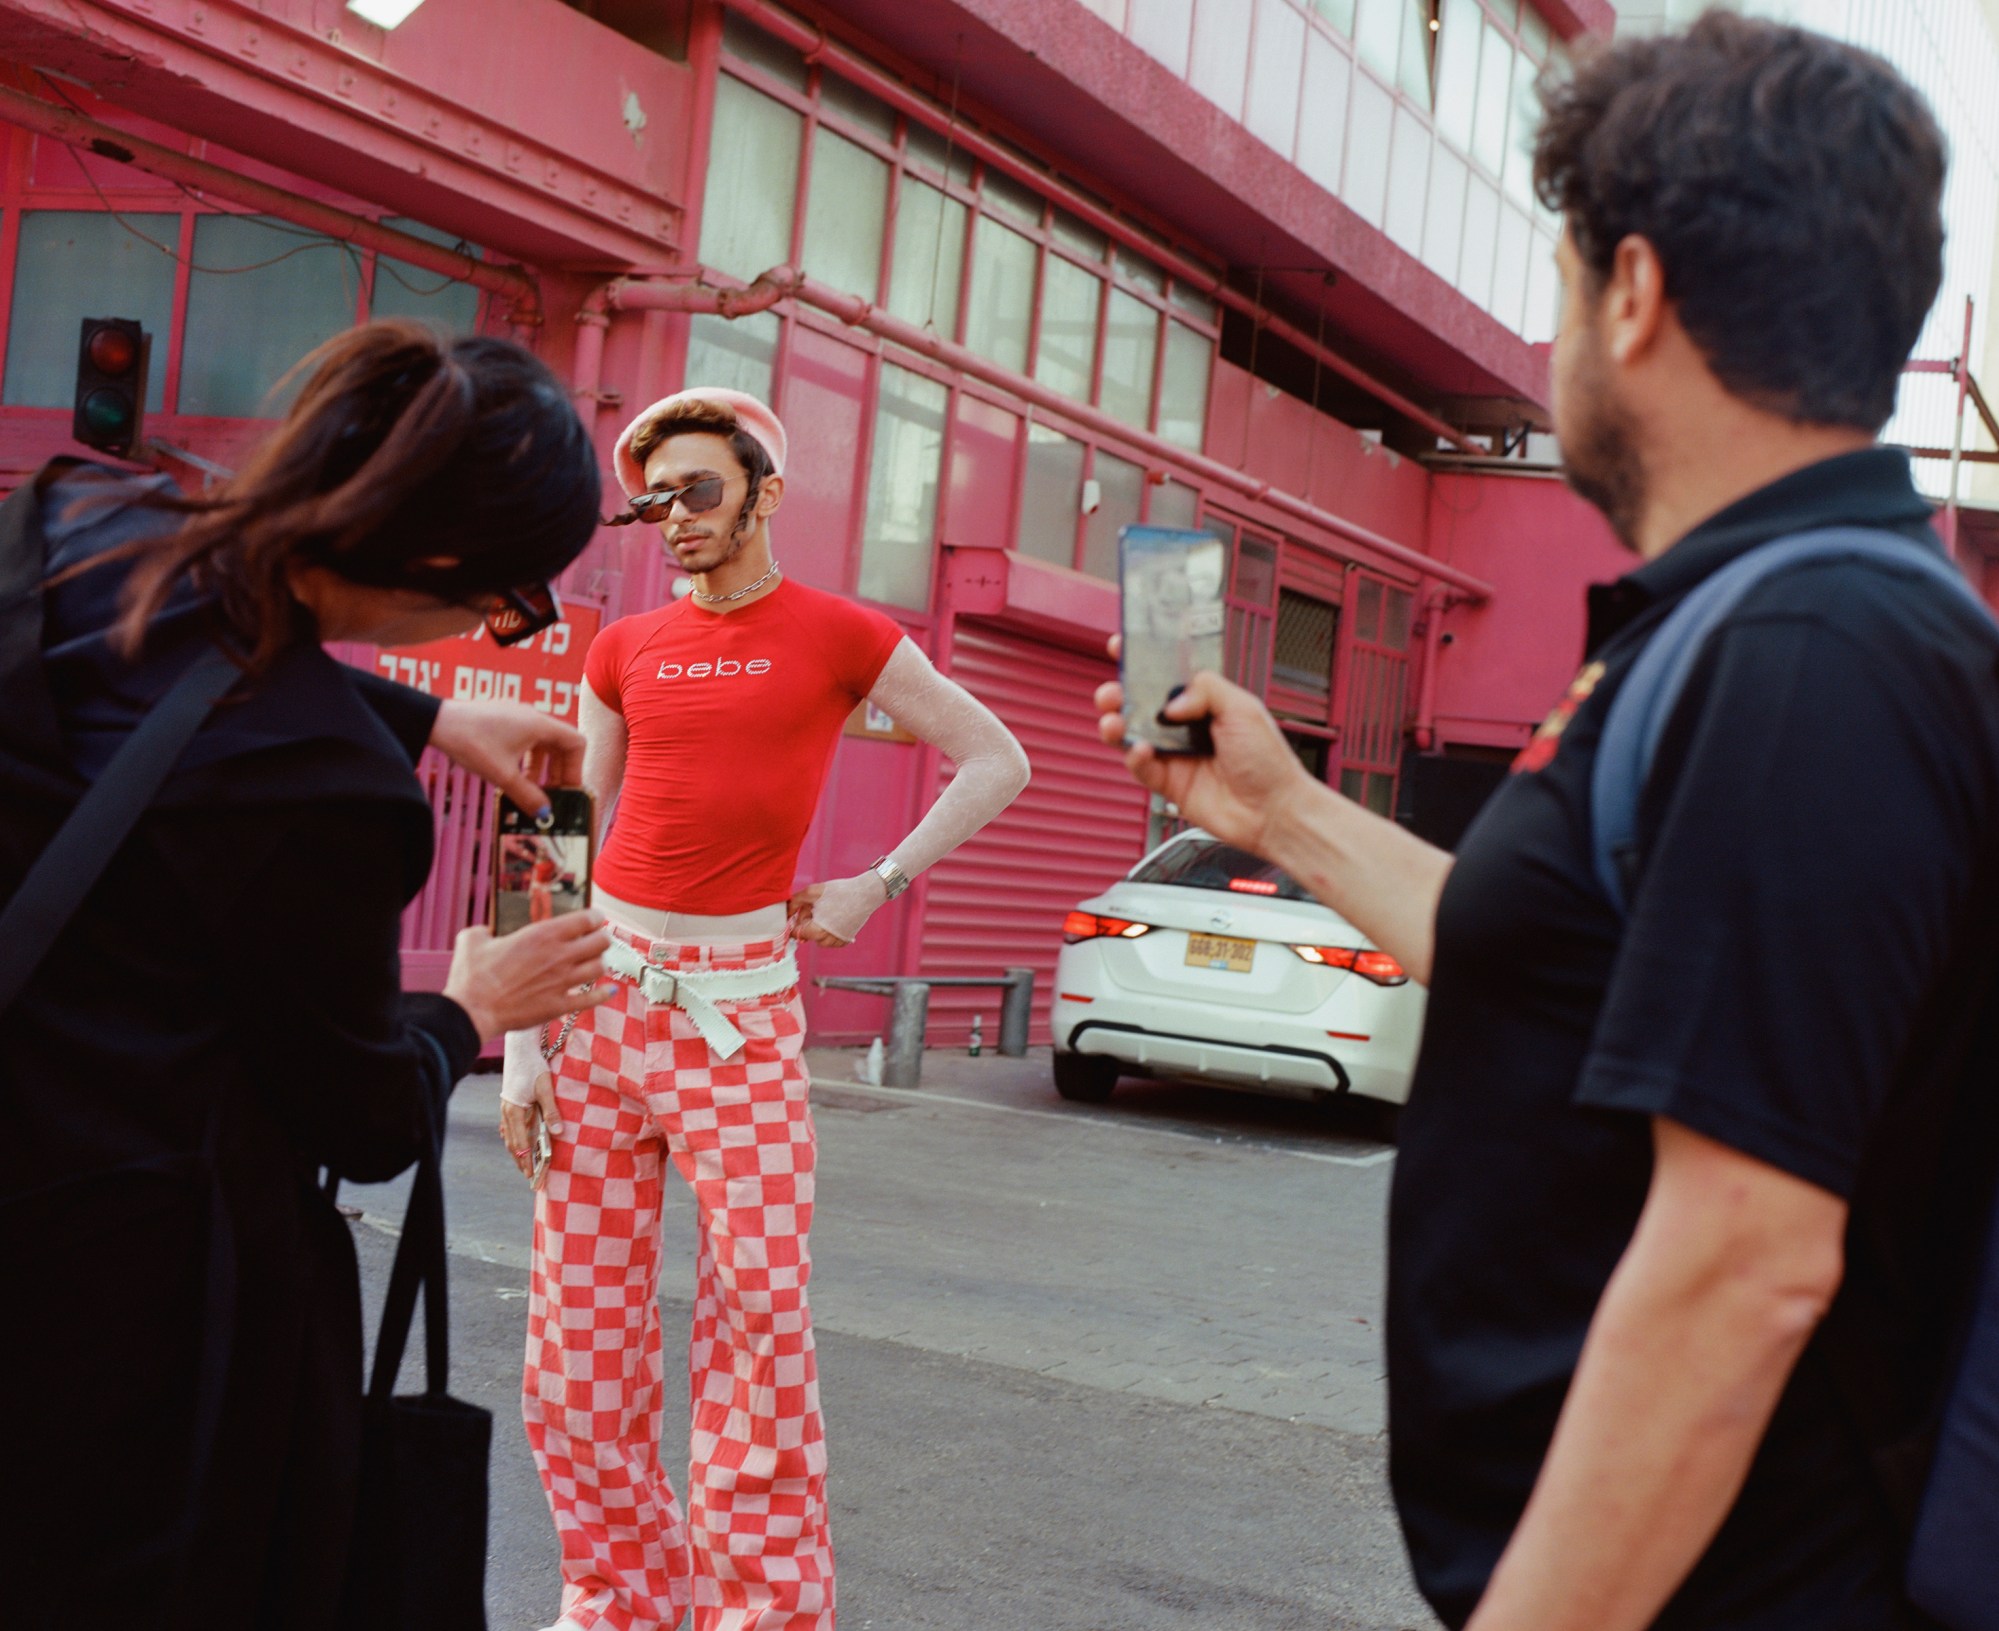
{"points": [[1687, 1198]]}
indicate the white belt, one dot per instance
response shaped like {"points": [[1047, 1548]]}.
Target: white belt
{"points": [[696, 991]]}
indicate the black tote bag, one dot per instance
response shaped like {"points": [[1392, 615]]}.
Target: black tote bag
{"points": [[419, 1553]]}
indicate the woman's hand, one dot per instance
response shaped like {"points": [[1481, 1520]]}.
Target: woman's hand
{"points": [[512, 982], [519, 749], [832, 914]]}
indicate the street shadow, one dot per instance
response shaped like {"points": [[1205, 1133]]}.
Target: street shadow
{"points": [[1346, 1119]]}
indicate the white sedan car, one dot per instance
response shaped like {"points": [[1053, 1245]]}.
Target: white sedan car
{"points": [[1207, 963]]}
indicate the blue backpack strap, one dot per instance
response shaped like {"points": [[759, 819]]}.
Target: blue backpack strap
{"points": [[1650, 692]]}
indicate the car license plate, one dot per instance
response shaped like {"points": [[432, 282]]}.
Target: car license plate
{"points": [[1213, 951]]}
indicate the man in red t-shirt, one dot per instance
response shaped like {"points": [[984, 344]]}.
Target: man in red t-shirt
{"points": [[711, 725]]}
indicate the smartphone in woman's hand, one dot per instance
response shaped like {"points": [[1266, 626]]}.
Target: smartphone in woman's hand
{"points": [[542, 870]]}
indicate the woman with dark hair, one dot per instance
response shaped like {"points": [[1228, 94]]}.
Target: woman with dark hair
{"points": [[223, 1017]]}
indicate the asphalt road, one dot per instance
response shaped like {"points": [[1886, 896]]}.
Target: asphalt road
{"points": [[1084, 1368]]}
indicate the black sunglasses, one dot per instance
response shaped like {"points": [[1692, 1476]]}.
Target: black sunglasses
{"points": [[696, 498], [523, 613]]}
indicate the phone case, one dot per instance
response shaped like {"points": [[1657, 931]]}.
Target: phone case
{"points": [[1172, 615], [540, 871]]}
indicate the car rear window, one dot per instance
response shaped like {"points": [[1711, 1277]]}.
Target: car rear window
{"points": [[1208, 863]]}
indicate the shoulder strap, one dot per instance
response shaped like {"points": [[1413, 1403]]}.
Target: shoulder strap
{"points": [[420, 1261], [76, 857], [1645, 701]]}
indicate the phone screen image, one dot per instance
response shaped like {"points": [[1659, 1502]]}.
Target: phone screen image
{"points": [[542, 872], [1171, 582]]}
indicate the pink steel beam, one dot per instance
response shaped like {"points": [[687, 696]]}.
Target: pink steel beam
{"points": [[106, 141], [818, 48], [780, 281]]}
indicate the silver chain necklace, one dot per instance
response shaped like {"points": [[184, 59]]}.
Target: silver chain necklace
{"points": [[723, 600]]}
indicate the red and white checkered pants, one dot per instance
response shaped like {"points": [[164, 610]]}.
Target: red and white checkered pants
{"points": [[638, 1087]]}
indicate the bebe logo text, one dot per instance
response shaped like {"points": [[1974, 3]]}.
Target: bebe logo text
{"points": [[725, 670]]}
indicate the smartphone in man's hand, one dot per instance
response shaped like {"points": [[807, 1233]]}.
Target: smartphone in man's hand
{"points": [[541, 869], [1172, 583]]}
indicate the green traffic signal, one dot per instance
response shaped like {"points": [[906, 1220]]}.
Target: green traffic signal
{"points": [[108, 414]]}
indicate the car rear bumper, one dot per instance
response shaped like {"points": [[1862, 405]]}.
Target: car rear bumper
{"points": [[1291, 1054], [1269, 1069]]}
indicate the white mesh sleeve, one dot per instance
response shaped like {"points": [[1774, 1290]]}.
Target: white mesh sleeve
{"points": [[992, 765], [605, 740]]}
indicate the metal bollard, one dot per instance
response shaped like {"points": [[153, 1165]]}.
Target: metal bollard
{"points": [[908, 1017], [1016, 1012]]}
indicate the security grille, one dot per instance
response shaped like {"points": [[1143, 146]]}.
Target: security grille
{"points": [[1306, 627]]}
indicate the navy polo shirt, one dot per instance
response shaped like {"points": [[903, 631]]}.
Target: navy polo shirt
{"points": [[1800, 977]]}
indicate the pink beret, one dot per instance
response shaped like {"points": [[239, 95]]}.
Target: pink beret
{"points": [[752, 415]]}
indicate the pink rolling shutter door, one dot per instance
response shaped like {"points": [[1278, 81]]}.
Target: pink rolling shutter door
{"points": [[999, 901]]}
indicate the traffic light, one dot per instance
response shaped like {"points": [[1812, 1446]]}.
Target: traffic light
{"points": [[111, 363]]}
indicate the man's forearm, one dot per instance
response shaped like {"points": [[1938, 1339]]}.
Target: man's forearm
{"points": [[1690, 1348], [1378, 876]]}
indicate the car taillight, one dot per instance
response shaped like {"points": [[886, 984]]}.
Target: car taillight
{"points": [[1090, 926], [1377, 966]]}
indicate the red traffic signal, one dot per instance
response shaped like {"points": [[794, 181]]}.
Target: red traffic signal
{"points": [[111, 359]]}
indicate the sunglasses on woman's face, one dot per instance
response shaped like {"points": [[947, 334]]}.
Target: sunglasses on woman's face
{"points": [[696, 498], [520, 614]]}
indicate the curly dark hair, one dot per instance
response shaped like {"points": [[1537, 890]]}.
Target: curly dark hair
{"points": [[1792, 187], [718, 418]]}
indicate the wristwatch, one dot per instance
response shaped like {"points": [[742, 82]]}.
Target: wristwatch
{"points": [[893, 878]]}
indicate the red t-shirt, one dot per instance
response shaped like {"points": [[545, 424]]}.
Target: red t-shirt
{"points": [[731, 722]]}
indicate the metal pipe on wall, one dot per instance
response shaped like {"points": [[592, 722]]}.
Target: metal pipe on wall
{"points": [[814, 43], [107, 141], [782, 281]]}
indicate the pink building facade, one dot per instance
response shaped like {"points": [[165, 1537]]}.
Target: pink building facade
{"points": [[1039, 269]]}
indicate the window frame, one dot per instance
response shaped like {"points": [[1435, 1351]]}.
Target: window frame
{"points": [[905, 164], [20, 194]]}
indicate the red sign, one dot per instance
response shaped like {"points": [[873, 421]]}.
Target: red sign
{"points": [[545, 672]]}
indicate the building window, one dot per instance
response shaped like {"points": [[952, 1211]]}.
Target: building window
{"points": [[399, 289], [231, 302], [1172, 505], [1002, 296], [1120, 493], [738, 355], [262, 294], [1131, 356], [1052, 499], [1376, 692], [846, 215], [1065, 358], [1303, 659], [1048, 295], [74, 264], [929, 259], [901, 526], [890, 208], [1457, 71], [1183, 386], [1394, 38], [1339, 13], [752, 189]]}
